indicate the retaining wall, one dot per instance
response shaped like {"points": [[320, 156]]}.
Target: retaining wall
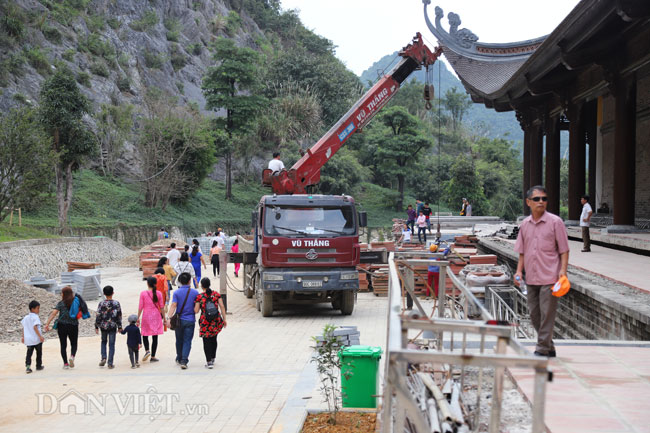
{"points": [[595, 308], [48, 257]]}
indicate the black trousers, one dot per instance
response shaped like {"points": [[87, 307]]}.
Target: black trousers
{"points": [[215, 264], [39, 354], [154, 344], [133, 354], [68, 332], [422, 230], [210, 348]]}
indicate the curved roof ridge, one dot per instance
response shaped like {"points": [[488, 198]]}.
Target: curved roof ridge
{"points": [[465, 42]]}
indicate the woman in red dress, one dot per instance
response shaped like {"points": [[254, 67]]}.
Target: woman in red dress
{"points": [[209, 329]]}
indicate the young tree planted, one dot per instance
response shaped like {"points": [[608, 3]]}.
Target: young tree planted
{"points": [[232, 86], [61, 112]]}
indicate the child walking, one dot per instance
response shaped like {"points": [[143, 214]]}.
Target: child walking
{"points": [[133, 340], [109, 321], [33, 337]]}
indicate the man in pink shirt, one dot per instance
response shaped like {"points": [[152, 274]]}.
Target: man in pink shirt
{"points": [[543, 248]]}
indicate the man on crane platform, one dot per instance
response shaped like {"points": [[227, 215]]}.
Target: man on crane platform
{"points": [[275, 164]]}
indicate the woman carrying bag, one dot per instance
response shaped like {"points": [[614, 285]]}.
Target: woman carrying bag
{"points": [[211, 321]]}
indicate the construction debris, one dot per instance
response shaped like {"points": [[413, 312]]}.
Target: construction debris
{"points": [[14, 298], [345, 335]]}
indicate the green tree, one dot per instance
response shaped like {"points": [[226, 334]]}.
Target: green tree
{"points": [[25, 160], [176, 145], [343, 174], [465, 182], [232, 85], [337, 88], [457, 104], [62, 109], [399, 137]]}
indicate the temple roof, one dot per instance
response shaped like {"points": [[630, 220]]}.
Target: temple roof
{"points": [[497, 74]]}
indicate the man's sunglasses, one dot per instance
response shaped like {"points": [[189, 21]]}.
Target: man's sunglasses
{"points": [[539, 198]]}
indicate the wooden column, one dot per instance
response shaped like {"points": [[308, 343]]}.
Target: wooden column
{"points": [[526, 167], [624, 151], [553, 164], [576, 160], [536, 155], [592, 131]]}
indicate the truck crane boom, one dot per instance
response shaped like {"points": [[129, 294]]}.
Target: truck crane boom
{"points": [[306, 172]]}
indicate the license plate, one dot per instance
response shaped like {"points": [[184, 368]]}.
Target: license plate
{"points": [[312, 284]]}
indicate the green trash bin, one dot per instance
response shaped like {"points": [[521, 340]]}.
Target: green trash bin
{"points": [[362, 362]]}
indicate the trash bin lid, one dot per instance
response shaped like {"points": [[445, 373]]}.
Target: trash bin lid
{"points": [[361, 352]]}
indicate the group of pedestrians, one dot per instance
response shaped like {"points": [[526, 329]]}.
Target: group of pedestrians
{"points": [[156, 314], [421, 216]]}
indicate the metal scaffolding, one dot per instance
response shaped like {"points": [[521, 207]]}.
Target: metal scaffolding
{"points": [[412, 401]]}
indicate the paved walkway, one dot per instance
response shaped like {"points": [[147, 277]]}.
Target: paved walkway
{"points": [[627, 268], [596, 389], [259, 362]]}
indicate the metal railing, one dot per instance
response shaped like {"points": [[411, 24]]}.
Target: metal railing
{"points": [[506, 303], [410, 400]]}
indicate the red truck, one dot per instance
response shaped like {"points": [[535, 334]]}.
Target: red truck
{"points": [[308, 245]]}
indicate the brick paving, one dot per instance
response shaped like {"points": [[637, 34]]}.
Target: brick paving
{"points": [[259, 361], [596, 388]]}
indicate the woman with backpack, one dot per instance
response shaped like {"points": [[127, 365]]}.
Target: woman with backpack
{"points": [[184, 266], [211, 321]]}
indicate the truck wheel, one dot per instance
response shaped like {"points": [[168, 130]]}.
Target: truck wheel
{"points": [[267, 303], [347, 302]]}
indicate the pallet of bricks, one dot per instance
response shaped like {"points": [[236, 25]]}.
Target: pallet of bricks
{"points": [[379, 279], [149, 259], [364, 274]]}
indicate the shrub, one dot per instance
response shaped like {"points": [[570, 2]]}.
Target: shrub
{"points": [[99, 68], [113, 23], [173, 36], [12, 20], [13, 64], [147, 22], [95, 23], [123, 60], [83, 78], [38, 60], [217, 24], [52, 34], [233, 23], [181, 87], [19, 97], [178, 58], [68, 55], [154, 60], [97, 45], [123, 83], [195, 48]]}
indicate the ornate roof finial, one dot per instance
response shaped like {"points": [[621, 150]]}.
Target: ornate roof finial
{"points": [[463, 37]]}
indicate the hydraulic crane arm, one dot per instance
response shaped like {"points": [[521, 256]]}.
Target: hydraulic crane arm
{"points": [[306, 171]]}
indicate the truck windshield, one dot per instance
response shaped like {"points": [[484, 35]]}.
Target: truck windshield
{"points": [[301, 221]]}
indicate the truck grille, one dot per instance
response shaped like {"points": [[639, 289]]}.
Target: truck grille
{"points": [[304, 250], [316, 260]]}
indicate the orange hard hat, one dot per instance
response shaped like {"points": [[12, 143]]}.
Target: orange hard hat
{"points": [[433, 248], [561, 287]]}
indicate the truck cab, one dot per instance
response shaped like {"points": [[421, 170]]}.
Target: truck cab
{"points": [[308, 249]]}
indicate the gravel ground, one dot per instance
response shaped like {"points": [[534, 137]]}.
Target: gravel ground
{"points": [[516, 413], [14, 298], [133, 260]]}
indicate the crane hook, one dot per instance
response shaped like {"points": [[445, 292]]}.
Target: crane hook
{"points": [[428, 95]]}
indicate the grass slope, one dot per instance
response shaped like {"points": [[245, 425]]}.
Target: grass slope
{"points": [[104, 202], [15, 233]]}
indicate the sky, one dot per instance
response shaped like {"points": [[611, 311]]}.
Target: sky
{"points": [[366, 30]]}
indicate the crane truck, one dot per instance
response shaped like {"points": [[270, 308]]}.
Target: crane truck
{"points": [[307, 245]]}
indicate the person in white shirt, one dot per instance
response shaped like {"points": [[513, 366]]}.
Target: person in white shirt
{"points": [[585, 219], [173, 255], [275, 164], [33, 337], [406, 235]]}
